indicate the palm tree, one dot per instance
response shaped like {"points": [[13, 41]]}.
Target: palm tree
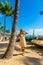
{"points": [[41, 12], [0, 24], [7, 31], [7, 11], [9, 51], [1, 28]]}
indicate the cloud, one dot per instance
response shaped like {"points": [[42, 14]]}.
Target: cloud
{"points": [[36, 31]]}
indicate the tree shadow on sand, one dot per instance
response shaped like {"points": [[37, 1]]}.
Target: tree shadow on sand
{"points": [[32, 61], [1, 55], [3, 45], [17, 48], [17, 54], [37, 49]]}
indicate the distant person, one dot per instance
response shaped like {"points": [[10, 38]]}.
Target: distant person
{"points": [[22, 40]]}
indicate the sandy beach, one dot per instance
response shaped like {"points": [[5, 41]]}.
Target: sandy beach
{"points": [[33, 55]]}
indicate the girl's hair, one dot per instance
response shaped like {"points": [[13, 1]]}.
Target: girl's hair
{"points": [[21, 31]]}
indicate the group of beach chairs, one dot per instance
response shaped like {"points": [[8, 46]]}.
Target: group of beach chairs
{"points": [[4, 38]]}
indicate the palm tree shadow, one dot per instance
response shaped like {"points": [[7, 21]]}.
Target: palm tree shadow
{"points": [[3, 45], [37, 49], [32, 61], [17, 48], [17, 54], [1, 55]]}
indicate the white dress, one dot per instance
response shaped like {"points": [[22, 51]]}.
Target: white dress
{"points": [[22, 41]]}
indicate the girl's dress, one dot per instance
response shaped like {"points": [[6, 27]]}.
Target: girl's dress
{"points": [[22, 41]]}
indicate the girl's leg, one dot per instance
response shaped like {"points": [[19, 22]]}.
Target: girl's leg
{"points": [[23, 50]]}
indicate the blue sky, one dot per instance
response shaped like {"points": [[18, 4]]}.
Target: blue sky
{"points": [[29, 16]]}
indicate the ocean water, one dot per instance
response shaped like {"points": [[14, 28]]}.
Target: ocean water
{"points": [[31, 36]]}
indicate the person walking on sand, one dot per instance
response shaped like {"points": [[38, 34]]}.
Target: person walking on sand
{"points": [[22, 40]]}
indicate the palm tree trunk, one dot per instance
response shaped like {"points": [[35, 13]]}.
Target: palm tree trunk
{"points": [[4, 26], [9, 51]]}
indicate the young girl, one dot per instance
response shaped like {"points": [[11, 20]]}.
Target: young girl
{"points": [[22, 40]]}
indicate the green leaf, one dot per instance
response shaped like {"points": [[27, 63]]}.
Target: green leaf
{"points": [[7, 31], [6, 9]]}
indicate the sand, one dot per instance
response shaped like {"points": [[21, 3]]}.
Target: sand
{"points": [[33, 55]]}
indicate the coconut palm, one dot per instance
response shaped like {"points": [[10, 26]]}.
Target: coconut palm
{"points": [[9, 51], [0, 24], [1, 28], [7, 11], [7, 31]]}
